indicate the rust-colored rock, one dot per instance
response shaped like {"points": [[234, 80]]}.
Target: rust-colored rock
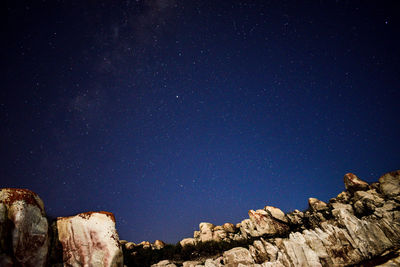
{"points": [[24, 238], [90, 239]]}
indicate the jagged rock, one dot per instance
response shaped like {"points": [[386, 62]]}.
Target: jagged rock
{"points": [[24, 238], [164, 263], [317, 205], [261, 223], [343, 197], [206, 231], [214, 263], [295, 217], [367, 201], [188, 241], [236, 256], [219, 234], [90, 239], [229, 227], [390, 184], [276, 213], [353, 183], [192, 263], [158, 244], [338, 206]]}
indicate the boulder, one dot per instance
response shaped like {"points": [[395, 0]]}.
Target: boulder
{"points": [[353, 183], [390, 184], [206, 231], [90, 239], [276, 213], [265, 224], [236, 256], [229, 227], [317, 205], [24, 235], [188, 242], [158, 244]]}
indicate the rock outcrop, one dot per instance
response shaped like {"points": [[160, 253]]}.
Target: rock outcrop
{"points": [[24, 239], [90, 239], [360, 225]]}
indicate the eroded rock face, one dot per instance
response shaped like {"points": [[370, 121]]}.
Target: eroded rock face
{"points": [[90, 239], [353, 183], [24, 238], [390, 184], [358, 225]]}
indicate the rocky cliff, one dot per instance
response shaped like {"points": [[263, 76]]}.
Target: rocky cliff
{"points": [[359, 227]]}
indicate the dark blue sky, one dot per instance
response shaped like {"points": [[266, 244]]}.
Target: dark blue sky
{"points": [[169, 113]]}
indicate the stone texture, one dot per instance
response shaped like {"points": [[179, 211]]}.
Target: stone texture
{"points": [[353, 183], [276, 213], [24, 235], [317, 205], [262, 223], [206, 231], [236, 256], [390, 184], [229, 227], [90, 239]]}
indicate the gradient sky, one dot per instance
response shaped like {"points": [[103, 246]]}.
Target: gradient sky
{"points": [[169, 113]]}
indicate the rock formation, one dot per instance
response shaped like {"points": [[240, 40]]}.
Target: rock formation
{"points": [[90, 239], [360, 226], [24, 239]]}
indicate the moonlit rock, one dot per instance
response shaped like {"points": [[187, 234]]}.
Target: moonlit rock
{"points": [[276, 213], [90, 239], [23, 229], [390, 183], [353, 183]]}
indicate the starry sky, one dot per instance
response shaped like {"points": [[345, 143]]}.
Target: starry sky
{"points": [[169, 113]]}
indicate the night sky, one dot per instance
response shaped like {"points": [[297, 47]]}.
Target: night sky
{"points": [[169, 113]]}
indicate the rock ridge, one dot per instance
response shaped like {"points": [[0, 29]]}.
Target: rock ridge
{"points": [[358, 227]]}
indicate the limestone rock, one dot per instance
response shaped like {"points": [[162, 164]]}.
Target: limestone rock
{"points": [[390, 183], [264, 224], [188, 242], [343, 197], [24, 237], [317, 205], [276, 213], [295, 217], [90, 239], [206, 231], [353, 183], [236, 256], [229, 227]]}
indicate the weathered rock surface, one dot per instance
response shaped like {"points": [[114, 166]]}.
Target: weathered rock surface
{"points": [[357, 226], [90, 239], [24, 239], [390, 184], [353, 183]]}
